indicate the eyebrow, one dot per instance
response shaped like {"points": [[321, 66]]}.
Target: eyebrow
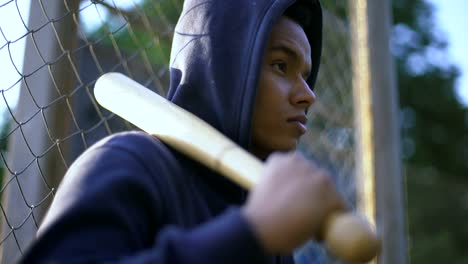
{"points": [[291, 52]]}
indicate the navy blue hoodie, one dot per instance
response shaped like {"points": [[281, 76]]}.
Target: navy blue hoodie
{"points": [[132, 199]]}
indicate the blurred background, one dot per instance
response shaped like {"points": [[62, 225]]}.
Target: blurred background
{"points": [[429, 45], [52, 52]]}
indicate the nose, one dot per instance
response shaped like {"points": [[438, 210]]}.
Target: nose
{"points": [[302, 97]]}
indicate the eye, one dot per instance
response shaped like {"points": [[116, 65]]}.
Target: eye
{"points": [[280, 66]]}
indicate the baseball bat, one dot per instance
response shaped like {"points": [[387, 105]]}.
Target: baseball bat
{"points": [[347, 236]]}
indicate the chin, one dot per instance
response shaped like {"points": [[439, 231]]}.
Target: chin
{"points": [[264, 150], [287, 145]]}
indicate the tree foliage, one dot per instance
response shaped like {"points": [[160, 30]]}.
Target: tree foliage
{"points": [[434, 137]]}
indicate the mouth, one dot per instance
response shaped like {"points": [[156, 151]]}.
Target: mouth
{"points": [[299, 122]]}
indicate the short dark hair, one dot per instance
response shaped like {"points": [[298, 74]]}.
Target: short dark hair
{"points": [[300, 13]]}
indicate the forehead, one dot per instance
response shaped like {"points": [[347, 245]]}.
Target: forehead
{"points": [[286, 31]]}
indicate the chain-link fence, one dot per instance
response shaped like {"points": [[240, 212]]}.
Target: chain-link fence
{"points": [[69, 44]]}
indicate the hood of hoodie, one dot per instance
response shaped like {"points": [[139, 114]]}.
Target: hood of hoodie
{"points": [[217, 54]]}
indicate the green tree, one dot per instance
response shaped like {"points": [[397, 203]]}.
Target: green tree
{"points": [[434, 137], [148, 29]]}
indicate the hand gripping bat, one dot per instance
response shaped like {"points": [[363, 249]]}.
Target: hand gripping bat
{"points": [[347, 236]]}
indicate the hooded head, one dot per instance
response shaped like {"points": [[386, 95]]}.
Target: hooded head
{"points": [[223, 64]]}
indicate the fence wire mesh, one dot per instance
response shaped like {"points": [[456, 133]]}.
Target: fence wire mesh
{"points": [[50, 116]]}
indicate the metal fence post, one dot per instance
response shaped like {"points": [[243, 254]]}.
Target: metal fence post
{"points": [[378, 164]]}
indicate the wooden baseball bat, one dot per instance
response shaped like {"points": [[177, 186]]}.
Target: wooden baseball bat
{"points": [[346, 235]]}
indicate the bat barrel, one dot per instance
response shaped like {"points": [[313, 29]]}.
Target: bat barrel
{"points": [[350, 237]]}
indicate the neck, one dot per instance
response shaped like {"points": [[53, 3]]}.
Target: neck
{"points": [[260, 153]]}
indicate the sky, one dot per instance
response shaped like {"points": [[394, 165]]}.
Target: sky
{"points": [[11, 55], [450, 19], [14, 15]]}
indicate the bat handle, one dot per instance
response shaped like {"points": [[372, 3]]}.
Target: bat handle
{"points": [[350, 237]]}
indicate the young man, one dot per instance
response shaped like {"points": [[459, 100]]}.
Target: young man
{"points": [[247, 68]]}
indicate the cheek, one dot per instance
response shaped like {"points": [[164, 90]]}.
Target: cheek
{"points": [[269, 130], [271, 104], [273, 91]]}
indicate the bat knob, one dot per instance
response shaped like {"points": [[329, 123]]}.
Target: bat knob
{"points": [[351, 238]]}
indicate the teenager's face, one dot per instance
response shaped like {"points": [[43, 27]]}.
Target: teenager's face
{"points": [[283, 97]]}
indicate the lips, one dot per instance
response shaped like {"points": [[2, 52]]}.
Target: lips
{"points": [[299, 118], [299, 122]]}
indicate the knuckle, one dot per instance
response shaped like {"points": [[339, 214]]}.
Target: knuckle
{"points": [[283, 158], [296, 157], [274, 157], [323, 179]]}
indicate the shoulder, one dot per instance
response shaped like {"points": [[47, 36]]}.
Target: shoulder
{"points": [[132, 151], [132, 160], [131, 141], [132, 147], [121, 170]]}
